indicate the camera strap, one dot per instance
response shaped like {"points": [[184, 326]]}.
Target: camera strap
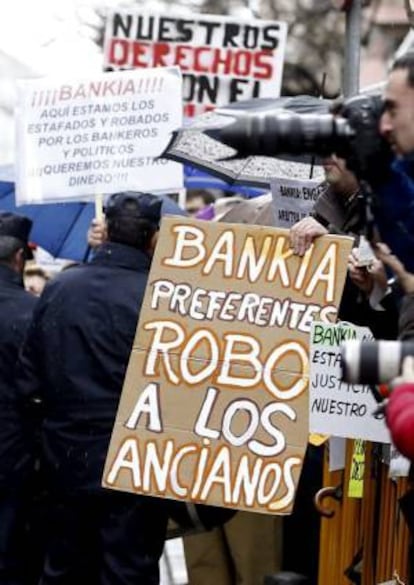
{"points": [[366, 204]]}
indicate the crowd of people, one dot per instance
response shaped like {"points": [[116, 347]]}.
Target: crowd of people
{"points": [[65, 347]]}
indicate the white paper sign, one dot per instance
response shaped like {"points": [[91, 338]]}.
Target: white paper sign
{"points": [[337, 408], [294, 200], [223, 59], [366, 254], [337, 453], [79, 137]]}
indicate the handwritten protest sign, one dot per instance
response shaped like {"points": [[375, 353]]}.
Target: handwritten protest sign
{"points": [[223, 59], [79, 137], [214, 407], [337, 408], [293, 200]]}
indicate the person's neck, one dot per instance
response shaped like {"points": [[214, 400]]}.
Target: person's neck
{"points": [[12, 266], [346, 193]]}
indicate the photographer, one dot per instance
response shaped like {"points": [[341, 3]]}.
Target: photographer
{"points": [[396, 216], [397, 120], [338, 211]]}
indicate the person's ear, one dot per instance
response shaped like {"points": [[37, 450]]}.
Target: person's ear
{"points": [[19, 260]]}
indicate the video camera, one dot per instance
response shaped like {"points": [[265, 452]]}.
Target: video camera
{"points": [[351, 133]]}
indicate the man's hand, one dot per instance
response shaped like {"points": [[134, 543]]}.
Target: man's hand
{"points": [[96, 233], [405, 279], [303, 233], [365, 277]]}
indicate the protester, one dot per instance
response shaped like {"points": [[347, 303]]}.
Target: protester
{"points": [[337, 210], [198, 199], [16, 307], [244, 550], [229, 554], [75, 359]]}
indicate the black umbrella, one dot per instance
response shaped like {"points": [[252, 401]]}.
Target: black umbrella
{"points": [[190, 145]]}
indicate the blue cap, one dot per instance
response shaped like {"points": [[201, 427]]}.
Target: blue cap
{"points": [[15, 226], [133, 204]]}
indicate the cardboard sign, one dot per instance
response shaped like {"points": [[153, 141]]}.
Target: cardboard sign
{"points": [[337, 408], [77, 138], [214, 407], [223, 59], [294, 200]]}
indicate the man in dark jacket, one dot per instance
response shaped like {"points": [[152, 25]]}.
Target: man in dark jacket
{"points": [[75, 357], [16, 307]]}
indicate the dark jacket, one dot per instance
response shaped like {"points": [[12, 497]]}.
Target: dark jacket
{"points": [[16, 308], [394, 216], [394, 211], [345, 217], [76, 356], [337, 214], [406, 321]]}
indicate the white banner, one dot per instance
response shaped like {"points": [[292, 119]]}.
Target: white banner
{"points": [[337, 408], [293, 200], [79, 137], [223, 59]]}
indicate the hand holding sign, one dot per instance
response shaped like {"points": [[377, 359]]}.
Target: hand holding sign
{"points": [[303, 233]]}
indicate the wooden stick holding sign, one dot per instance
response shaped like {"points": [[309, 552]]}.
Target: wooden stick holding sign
{"points": [[99, 214]]}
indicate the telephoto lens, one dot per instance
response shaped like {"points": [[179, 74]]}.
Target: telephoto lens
{"points": [[373, 362], [271, 134]]}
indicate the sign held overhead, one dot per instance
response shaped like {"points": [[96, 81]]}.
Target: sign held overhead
{"points": [[79, 137]]}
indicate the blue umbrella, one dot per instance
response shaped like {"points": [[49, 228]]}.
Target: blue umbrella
{"points": [[60, 228], [196, 179]]}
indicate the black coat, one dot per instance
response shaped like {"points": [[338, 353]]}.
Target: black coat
{"points": [[344, 217], [16, 308], [76, 356]]}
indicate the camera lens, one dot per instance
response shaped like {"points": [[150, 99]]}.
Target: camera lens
{"points": [[287, 133]]}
